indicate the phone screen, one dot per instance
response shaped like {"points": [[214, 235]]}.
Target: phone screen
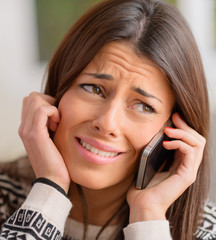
{"points": [[152, 157]]}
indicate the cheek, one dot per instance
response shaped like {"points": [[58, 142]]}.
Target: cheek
{"points": [[72, 112], [70, 117], [141, 135]]}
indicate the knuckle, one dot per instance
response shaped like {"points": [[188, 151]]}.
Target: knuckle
{"points": [[33, 94], [193, 178], [35, 102], [25, 99], [31, 100], [41, 110], [35, 98], [25, 102], [50, 99], [203, 139]]}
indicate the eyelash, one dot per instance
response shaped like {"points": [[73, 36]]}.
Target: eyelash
{"points": [[83, 86], [151, 109], [145, 105]]}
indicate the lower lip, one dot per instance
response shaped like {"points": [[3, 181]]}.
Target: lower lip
{"points": [[94, 158]]}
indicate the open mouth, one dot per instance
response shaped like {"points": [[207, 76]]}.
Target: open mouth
{"points": [[97, 151]]}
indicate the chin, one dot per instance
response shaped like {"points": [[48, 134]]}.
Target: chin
{"points": [[93, 180], [90, 183]]}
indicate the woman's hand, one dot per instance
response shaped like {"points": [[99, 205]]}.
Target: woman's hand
{"points": [[38, 116], [152, 202]]}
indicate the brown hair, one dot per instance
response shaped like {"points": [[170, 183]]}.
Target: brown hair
{"points": [[158, 31]]}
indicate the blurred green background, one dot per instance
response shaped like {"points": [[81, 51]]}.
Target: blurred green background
{"points": [[54, 18]]}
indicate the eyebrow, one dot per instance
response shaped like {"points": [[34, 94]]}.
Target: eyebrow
{"points": [[146, 94], [101, 76], [110, 77]]}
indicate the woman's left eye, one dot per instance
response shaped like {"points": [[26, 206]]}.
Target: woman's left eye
{"points": [[92, 88], [142, 107]]}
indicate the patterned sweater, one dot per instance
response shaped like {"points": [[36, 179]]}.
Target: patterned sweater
{"points": [[25, 215]]}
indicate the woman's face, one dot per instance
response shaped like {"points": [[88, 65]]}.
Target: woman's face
{"points": [[111, 111]]}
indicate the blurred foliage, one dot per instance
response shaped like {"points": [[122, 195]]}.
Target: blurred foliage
{"points": [[54, 18], [172, 1]]}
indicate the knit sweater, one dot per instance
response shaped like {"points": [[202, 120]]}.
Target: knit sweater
{"points": [[41, 212]]}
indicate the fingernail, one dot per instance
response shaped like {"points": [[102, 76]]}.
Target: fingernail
{"points": [[179, 115], [170, 128]]}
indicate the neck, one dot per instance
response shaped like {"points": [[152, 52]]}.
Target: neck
{"points": [[101, 204]]}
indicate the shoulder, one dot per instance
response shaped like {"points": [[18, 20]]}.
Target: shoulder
{"points": [[15, 183], [207, 229]]}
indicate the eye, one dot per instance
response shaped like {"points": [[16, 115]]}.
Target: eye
{"points": [[92, 88], [142, 107]]}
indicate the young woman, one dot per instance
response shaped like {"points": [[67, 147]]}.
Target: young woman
{"points": [[121, 72]]}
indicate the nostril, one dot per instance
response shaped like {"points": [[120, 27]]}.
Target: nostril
{"points": [[97, 128], [104, 127], [112, 134]]}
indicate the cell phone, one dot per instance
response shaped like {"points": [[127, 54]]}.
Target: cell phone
{"points": [[152, 157]]}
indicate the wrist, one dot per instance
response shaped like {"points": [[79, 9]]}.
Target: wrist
{"points": [[138, 214], [61, 182], [51, 183]]}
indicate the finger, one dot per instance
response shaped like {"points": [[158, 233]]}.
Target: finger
{"points": [[181, 124], [30, 106], [191, 157], [51, 100], [191, 139], [43, 114], [47, 98], [39, 133], [53, 121], [26, 118]]}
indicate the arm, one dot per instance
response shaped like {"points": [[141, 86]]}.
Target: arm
{"points": [[41, 216], [39, 116], [150, 230], [45, 205]]}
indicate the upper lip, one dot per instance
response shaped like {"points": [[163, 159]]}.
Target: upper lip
{"points": [[96, 144]]}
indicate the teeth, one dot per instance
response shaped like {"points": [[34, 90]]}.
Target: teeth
{"points": [[108, 154], [97, 151], [101, 153], [94, 150], [88, 147]]}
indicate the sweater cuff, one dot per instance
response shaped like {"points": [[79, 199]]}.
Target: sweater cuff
{"points": [[51, 203], [50, 183], [151, 230]]}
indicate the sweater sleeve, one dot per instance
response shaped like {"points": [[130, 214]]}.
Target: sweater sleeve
{"points": [[150, 230], [41, 216]]}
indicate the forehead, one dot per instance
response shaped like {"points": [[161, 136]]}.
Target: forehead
{"points": [[122, 61], [121, 57]]}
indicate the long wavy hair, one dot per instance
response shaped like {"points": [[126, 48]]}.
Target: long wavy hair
{"points": [[157, 31]]}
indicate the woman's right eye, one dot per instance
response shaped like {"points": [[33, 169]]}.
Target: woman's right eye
{"points": [[92, 88]]}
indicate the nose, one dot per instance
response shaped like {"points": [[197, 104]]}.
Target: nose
{"points": [[108, 120]]}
